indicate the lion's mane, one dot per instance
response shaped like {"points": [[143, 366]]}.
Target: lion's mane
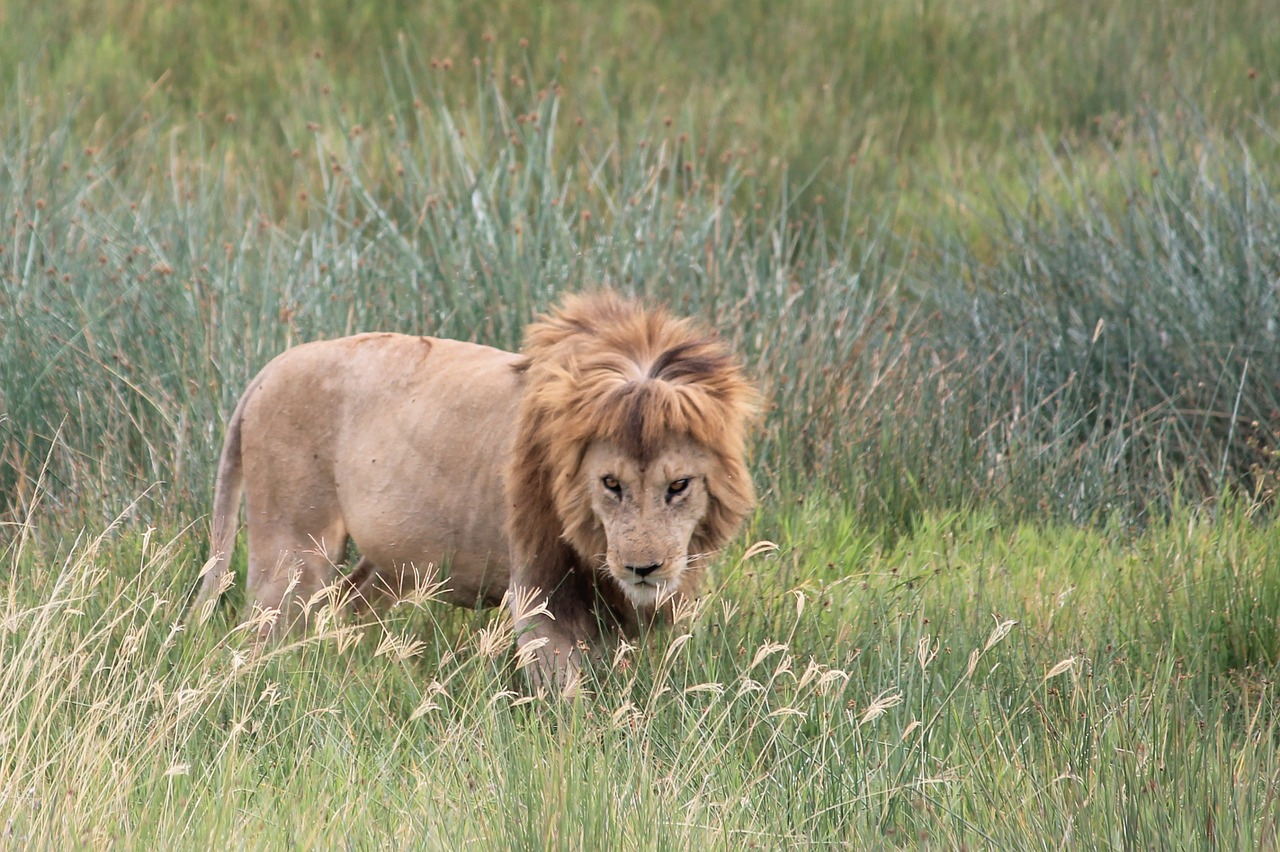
{"points": [[601, 367]]}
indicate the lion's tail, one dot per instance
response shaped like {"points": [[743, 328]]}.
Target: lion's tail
{"points": [[226, 516]]}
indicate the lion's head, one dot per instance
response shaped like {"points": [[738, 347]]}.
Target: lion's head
{"points": [[630, 446]]}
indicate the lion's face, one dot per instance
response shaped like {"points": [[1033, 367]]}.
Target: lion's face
{"points": [[649, 513]]}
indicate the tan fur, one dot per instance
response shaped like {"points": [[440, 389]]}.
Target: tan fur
{"points": [[599, 469]]}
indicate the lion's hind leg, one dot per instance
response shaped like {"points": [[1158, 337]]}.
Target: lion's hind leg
{"points": [[289, 571]]}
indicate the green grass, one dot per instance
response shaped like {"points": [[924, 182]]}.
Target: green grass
{"points": [[977, 684], [896, 84], [1006, 273]]}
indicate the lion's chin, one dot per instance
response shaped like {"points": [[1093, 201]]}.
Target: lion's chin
{"points": [[646, 595]]}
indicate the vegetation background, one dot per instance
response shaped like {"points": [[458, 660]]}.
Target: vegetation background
{"points": [[1008, 272]]}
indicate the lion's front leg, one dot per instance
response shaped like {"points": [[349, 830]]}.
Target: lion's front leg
{"points": [[551, 602], [555, 657]]}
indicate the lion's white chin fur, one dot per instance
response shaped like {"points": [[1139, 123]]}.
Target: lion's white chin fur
{"points": [[651, 592], [645, 595]]}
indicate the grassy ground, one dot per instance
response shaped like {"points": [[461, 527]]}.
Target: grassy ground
{"points": [[1005, 271], [979, 684]]}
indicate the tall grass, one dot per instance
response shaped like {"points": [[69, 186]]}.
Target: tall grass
{"points": [[156, 282], [977, 685], [1090, 348], [1126, 352]]}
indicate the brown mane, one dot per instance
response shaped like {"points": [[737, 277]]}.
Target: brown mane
{"points": [[601, 367]]}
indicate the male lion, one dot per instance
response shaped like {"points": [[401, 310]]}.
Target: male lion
{"points": [[597, 471]]}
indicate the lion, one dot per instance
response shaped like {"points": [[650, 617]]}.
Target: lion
{"points": [[591, 475]]}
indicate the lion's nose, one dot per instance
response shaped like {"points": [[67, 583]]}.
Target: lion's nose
{"points": [[644, 570]]}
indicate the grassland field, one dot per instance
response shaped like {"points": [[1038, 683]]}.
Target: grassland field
{"points": [[1007, 273]]}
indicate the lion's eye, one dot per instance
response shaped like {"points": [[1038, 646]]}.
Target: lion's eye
{"points": [[611, 483], [678, 487]]}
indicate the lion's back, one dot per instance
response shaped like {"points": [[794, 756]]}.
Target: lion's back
{"points": [[378, 386]]}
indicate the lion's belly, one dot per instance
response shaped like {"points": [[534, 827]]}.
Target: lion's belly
{"points": [[433, 545], [420, 474]]}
